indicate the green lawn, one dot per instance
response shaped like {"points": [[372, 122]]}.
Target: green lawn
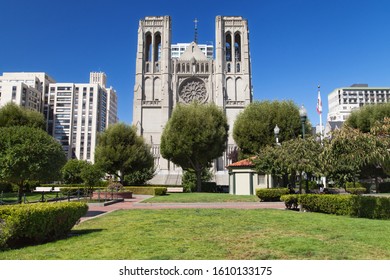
{"points": [[210, 234], [201, 197], [30, 197]]}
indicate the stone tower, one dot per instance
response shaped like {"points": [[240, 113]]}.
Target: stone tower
{"points": [[161, 82]]}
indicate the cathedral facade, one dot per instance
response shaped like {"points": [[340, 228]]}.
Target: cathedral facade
{"points": [[161, 82]]}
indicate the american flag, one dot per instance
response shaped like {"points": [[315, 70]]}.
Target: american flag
{"points": [[319, 102]]}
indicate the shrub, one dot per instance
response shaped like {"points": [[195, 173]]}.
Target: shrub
{"points": [[357, 191], [352, 205], [290, 200], [72, 190], [210, 187], [139, 177], [188, 181], [6, 186], [26, 224], [326, 203], [147, 190], [115, 186], [349, 185], [383, 187], [370, 207], [272, 194]]}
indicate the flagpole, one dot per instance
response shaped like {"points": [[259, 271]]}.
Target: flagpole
{"points": [[319, 110], [320, 113]]}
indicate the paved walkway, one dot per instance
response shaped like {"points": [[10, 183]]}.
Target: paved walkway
{"points": [[134, 203]]}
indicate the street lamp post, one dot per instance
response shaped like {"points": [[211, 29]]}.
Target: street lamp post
{"points": [[303, 116], [276, 131]]}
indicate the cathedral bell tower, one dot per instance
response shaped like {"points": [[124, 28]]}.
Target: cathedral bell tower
{"points": [[152, 102]]}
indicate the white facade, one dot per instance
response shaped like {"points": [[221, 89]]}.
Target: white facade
{"points": [[27, 89], [80, 112], [244, 180], [342, 101], [178, 49], [162, 81]]}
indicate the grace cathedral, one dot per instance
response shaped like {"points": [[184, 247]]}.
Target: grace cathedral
{"points": [[162, 81]]}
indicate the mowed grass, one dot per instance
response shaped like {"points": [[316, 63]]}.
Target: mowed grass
{"points": [[201, 197], [217, 234]]}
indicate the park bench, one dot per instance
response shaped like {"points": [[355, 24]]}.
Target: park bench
{"points": [[44, 190], [174, 190]]}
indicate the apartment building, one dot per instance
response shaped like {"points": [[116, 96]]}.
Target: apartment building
{"points": [[178, 49], [74, 113], [80, 112], [27, 89]]}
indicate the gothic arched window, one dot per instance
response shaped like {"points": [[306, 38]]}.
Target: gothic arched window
{"points": [[228, 44], [237, 46], [157, 46], [148, 47]]}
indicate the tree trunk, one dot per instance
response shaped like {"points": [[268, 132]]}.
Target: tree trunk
{"points": [[198, 173], [121, 177], [20, 192], [300, 182], [376, 184]]}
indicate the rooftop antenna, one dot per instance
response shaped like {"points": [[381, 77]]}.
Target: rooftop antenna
{"points": [[196, 31]]}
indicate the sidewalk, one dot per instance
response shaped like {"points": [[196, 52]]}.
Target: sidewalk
{"points": [[135, 203]]}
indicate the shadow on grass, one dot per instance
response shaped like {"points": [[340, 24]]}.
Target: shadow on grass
{"points": [[93, 214], [80, 232]]}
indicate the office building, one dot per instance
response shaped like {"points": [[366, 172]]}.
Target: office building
{"points": [[343, 101]]}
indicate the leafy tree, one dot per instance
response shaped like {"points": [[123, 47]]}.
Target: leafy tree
{"points": [[121, 152], [292, 157], [366, 117], [91, 174], [188, 180], [195, 135], [14, 115], [28, 153], [71, 172], [254, 127], [348, 150], [139, 177]]}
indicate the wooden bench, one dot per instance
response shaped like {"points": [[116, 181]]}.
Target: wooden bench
{"points": [[174, 190]]}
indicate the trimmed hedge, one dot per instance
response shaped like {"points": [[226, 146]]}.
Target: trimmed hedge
{"points": [[290, 200], [353, 185], [326, 203], [156, 190], [351, 205], [383, 187], [272, 194], [28, 224], [357, 191]]}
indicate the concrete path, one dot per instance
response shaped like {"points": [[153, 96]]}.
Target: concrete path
{"points": [[135, 203]]}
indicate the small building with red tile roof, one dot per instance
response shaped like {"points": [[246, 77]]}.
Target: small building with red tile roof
{"points": [[244, 180]]}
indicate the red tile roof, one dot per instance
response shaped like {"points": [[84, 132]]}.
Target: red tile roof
{"points": [[242, 163]]}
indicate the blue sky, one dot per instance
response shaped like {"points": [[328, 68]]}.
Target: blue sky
{"points": [[295, 45]]}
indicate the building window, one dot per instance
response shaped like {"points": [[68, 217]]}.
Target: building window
{"points": [[260, 179]]}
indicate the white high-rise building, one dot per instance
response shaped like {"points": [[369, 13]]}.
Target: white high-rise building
{"points": [[80, 112], [168, 74], [343, 101], [27, 89], [178, 49]]}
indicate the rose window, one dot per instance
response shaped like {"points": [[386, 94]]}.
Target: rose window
{"points": [[193, 90]]}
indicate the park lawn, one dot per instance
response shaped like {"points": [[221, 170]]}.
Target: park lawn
{"points": [[30, 197], [201, 197], [217, 234]]}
